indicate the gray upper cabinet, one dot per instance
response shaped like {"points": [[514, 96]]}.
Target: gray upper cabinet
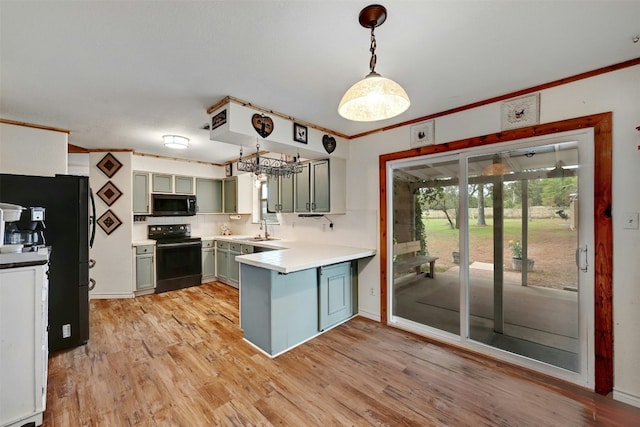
{"points": [[320, 201], [313, 188], [320, 187], [303, 189], [183, 184], [230, 194], [280, 196], [140, 193], [162, 183], [209, 195]]}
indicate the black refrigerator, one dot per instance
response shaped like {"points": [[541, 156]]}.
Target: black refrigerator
{"points": [[70, 228]]}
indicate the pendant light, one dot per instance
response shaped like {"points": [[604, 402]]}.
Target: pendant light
{"points": [[374, 97]]}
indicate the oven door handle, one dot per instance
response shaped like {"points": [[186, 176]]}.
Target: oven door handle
{"points": [[175, 245]]}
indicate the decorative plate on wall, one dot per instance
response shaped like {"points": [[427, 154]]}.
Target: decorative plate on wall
{"points": [[109, 165], [219, 119], [109, 193], [423, 134], [521, 112], [109, 222]]}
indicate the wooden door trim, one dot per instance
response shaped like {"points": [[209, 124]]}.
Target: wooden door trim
{"points": [[603, 227]]}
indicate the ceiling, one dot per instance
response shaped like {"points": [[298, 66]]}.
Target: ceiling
{"points": [[119, 75]]}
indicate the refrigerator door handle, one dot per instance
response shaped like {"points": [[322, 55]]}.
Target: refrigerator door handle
{"points": [[92, 284], [92, 219]]}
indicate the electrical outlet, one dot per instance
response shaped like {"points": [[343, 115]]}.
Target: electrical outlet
{"points": [[631, 220], [66, 330], [372, 292]]}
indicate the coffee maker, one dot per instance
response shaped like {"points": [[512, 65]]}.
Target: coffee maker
{"points": [[29, 230]]}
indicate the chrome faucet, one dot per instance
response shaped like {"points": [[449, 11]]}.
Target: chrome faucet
{"points": [[266, 234]]}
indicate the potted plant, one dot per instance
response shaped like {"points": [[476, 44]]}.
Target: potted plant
{"points": [[516, 256]]}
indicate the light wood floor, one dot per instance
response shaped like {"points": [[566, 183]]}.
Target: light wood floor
{"points": [[178, 359]]}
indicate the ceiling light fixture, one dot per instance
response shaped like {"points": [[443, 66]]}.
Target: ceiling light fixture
{"points": [[175, 141], [374, 97]]}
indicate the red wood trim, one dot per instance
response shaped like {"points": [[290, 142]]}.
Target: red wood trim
{"points": [[33, 125], [603, 227], [383, 239], [586, 75], [75, 149]]}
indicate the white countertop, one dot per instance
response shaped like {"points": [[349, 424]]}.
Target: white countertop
{"points": [[288, 256], [291, 256], [22, 259]]}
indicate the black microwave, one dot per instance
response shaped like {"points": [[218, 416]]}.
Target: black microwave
{"points": [[173, 204]]}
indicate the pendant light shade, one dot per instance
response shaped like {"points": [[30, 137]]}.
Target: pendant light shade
{"points": [[374, 97], [175, 141]]}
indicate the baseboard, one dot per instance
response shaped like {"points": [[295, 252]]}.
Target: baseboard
{"points": [[369, 315], [628, 398], [111, 296]]}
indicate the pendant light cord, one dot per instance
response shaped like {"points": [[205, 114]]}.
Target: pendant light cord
{"points": [[372, 49]]}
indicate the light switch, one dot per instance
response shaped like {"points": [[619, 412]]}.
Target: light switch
{"points": [[631, 220]]}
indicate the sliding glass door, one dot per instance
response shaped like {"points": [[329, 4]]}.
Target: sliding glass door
{"points": [[509, 230]]}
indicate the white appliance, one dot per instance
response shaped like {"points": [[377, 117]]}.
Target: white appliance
{"points": [[8, 213]]}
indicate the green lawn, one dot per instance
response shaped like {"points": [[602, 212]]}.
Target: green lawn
{"points": [[552, 245]]}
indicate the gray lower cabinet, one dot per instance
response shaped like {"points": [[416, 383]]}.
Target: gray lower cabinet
{"points": [[145, 269], [234, 267], [279, 311], [335, 293], [208, 260], [222, 260]]}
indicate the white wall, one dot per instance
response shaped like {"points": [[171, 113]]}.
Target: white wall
{"points": [[618, 92], [31, 151], [113, 272]]}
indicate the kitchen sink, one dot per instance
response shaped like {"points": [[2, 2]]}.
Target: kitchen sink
{"points": [[254, 239]]}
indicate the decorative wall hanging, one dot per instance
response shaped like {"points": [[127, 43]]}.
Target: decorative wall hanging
{"points": [[262, 124], [219, 119], [109, 222], [109, 165], [299, 133], [109, 193], [423, 134], [329, 143], [521, 112]]}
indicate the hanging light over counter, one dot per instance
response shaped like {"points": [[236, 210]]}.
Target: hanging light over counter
{"points": [[374, 97]]}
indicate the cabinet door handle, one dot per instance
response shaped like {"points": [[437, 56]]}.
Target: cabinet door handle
{"points": [[307, 206], [92, 284], [313, 206], [92, 263]]}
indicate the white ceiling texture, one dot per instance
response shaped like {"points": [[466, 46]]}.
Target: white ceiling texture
{"points": [[120, 74]]}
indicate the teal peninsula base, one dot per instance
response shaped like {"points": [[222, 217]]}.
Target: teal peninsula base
{"points": [[279, 311]]}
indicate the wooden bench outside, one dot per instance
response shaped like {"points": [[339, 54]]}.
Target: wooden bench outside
{"points": [[414, 262]]}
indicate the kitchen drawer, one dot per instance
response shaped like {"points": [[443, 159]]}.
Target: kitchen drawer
{"points": [[235, 247], [207, 244], [144, 249], [222, 245], [247, 249]]}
